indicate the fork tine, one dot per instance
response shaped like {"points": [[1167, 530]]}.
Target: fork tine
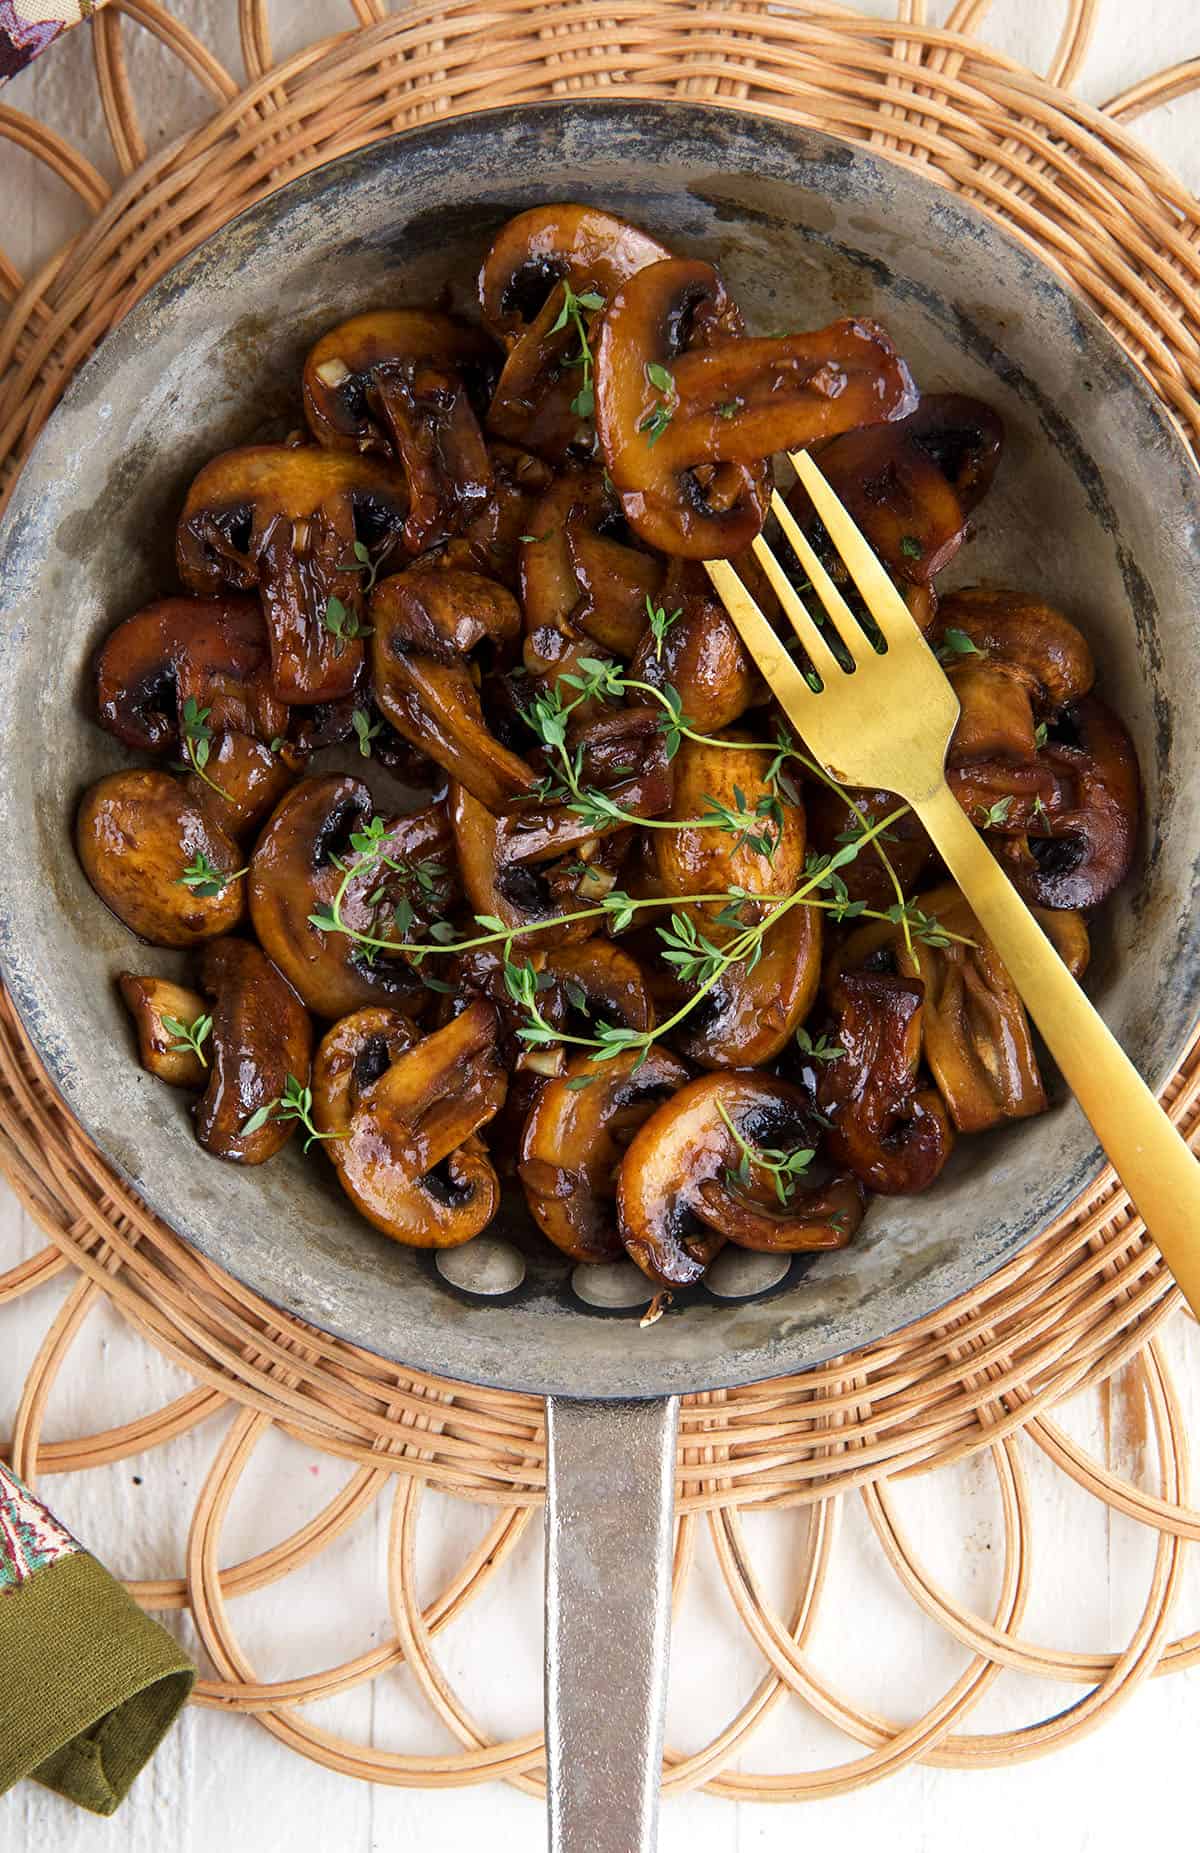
{"points": [[821, 656], [843, 619], [786, 681], [882, 600]]}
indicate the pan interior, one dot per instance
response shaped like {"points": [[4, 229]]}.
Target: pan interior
{"points": [[1095, 508]]}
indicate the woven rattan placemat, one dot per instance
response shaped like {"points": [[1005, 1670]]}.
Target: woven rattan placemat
{"points": [[1084, 1300]]}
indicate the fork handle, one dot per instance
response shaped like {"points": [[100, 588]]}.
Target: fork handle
{"points": [[1149, 1155]]}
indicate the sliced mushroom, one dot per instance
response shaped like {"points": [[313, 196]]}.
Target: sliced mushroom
{"points": [[687, 411], [294, 873], [517, 893], [1013, 661], [904, 842], [409, 1161], [405, 383], [1078, 850], [537, 401], [244, 781], [161, 1051], [427, 621], [699, 654], [749, 1015], [137, 833], [580, 577], [679, 1196], [885, 1125], [285, 520], [912, 484], [261, 1039], [622, 758], [575, 1138], [491, 542], [212, 650], [350, 1058]]}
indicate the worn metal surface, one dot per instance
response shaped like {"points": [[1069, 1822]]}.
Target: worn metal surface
{"points": [[609, 1529], [1096, 507]]}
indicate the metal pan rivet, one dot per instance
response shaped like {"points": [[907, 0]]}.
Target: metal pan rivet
{"points": [[738, 1272], [484, 1266], [612, 1283]]}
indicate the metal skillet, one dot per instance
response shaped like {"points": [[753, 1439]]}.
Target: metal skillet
{"points": [[1097, 491]]}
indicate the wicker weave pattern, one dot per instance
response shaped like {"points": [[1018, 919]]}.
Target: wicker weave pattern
{"points": [[1065, 1314]]}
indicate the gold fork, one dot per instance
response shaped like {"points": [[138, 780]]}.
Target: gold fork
{"points": [[887, 724]]}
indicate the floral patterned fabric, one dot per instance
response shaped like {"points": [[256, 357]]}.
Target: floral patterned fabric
{"points": [[29, 1537], [27, 27]]}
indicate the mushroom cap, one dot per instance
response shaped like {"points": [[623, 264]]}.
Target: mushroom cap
{"points": [[136, 832], [214, 650], [261, 1038], [886, 1126], [575, 1138], [591, 249], [150, 1001]]}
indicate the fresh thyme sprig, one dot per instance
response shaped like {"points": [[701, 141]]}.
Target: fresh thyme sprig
{"points": [[197, 742], [785, 1169], [343, 623], [295, 1103], [365, 730], [573, 307], [656, 421], [205, 880], [363, 563], [660, 623], [189, 1037]]}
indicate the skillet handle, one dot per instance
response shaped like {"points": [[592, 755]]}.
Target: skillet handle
{"points": [[610, 1497]]}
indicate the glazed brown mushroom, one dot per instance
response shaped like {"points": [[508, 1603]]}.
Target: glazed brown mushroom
{"points": [[580, 577], [491, 542], [908, 848], [622, 757], [137, 833], [407, 1156], [285, 520], [294, 873], [1013, 661], [686, 411], [212, 650], [1076, 852], [518, 893], [911, 485], [679, 1196], [243, 781], [150, 1002], [751, 1013], [699, 654], [405, 383], [261, 1040], [350, 1058], [427, 621], [975, 1035], [538, 400], [575, 1139], [886, 1126]]}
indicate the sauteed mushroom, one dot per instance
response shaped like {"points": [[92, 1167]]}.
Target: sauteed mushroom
{"points": [[427, 621], [1013, 661], [542, 398], [684, 1188], [407, 1157], [697, 651], [152, 1002], [623, 760], [580, 578], [670, 361], [830, 818], [138, 834], [261, 1039], [911, 485], [491, 542], [495, 882], [1076, 853], [294, 873], [574, 1140], [243, 781], [285, 520], [752, 1011], [404, 383], [885, 1125], [213, 651]]}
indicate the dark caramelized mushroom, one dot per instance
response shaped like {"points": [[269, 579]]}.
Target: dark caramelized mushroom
{"points": [[211, 650], [285, 520], [491, 542], [684, 1189], [161, 1051], [349, 1060], [538, 399], [699, 654], [885, 1126], [750, 1014], [623, 759], [517, 893], [905, 842], [136, 834], [261, 1039], [244, 781], [580, 578], [294, 873], [407, 1157], [574, 1141], [686, 410], [911, 485], [403, 383], [1013, 661], [427, 621], [1076, 853]]}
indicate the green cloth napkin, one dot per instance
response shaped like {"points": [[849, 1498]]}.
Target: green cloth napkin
{"points": [[88, 1683]]}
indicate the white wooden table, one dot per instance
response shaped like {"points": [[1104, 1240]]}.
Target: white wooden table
{"points": [[221, 1785]]}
